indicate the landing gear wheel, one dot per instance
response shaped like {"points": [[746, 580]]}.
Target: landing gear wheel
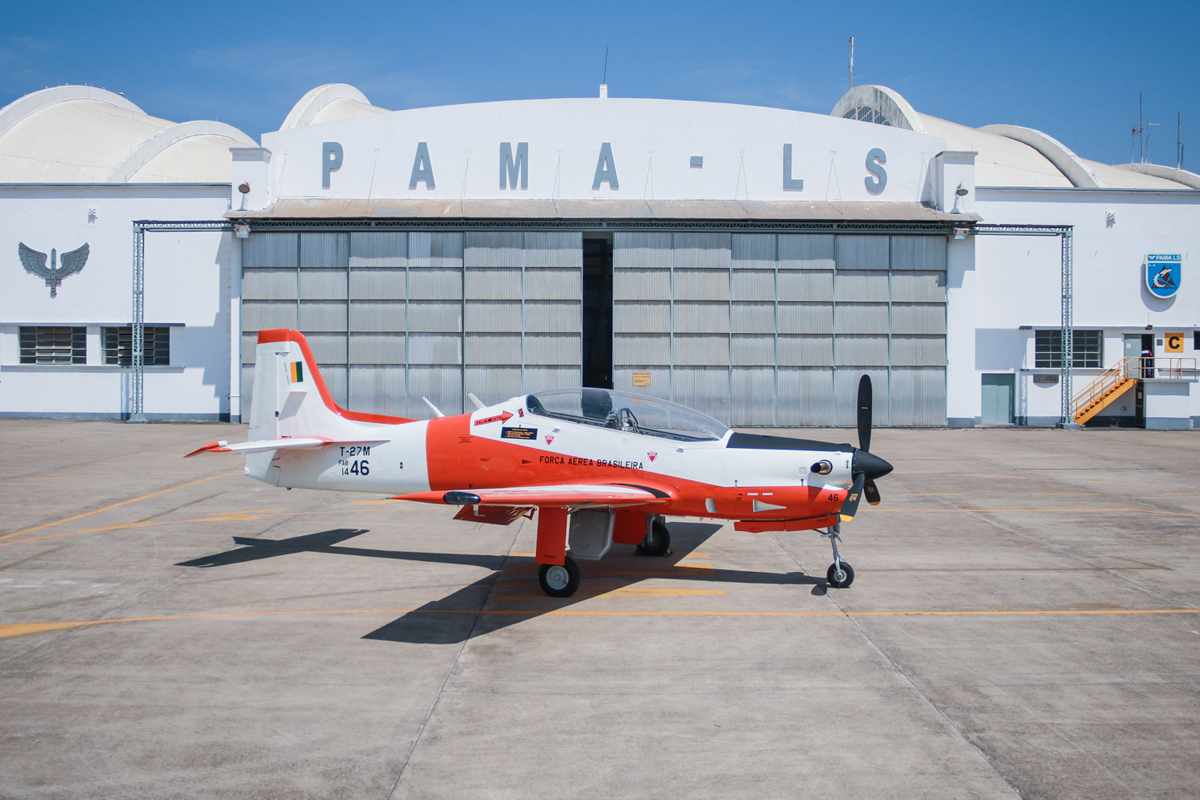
{"points": [[559, 580], [657, 541], [840, 575]]}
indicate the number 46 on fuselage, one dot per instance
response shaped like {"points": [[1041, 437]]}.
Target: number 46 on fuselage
{"points": [[598, 466]]}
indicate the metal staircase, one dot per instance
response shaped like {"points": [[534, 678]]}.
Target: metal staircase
{"points": [[1105, 389], [1124, 375]]}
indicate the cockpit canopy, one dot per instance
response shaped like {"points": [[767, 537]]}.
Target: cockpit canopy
{"points": [[625, 411]]}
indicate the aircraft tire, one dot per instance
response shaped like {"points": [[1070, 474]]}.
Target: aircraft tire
{"points": [[555, 583], [831, 576], [657, 541]]}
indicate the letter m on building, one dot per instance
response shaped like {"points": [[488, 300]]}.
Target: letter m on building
{"points": [[514, 172]]}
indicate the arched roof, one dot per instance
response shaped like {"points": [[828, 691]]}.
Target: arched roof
{"points": [[84, 134], [1006, 155], [329, 102]]}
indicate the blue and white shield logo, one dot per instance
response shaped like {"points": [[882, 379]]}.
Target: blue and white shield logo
{"points": [[1164, 273]]}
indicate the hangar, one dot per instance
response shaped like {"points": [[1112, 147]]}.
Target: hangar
{"points": [[750, 262]]}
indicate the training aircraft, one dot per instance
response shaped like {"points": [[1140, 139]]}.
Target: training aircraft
{"points": [[598, 466]]}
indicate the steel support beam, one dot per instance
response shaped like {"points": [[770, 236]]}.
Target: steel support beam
{"points": [[137, 361], [1066, 286]]}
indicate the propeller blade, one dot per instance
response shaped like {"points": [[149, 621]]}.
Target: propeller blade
{"points": [[865, 403], [850, 507], [871, 492]]}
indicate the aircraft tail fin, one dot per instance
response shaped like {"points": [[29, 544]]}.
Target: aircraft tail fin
{"points": [[291, 403], [291, 399]]}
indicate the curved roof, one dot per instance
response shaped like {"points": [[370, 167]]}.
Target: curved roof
{"points": [[83, 134], [1008, 155], [329, 102]]}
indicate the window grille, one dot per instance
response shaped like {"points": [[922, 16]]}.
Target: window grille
{"points": [[118, 346], [44, 344]]}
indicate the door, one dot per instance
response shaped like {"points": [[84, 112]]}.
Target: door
{"points": [[998, 392], [598, 311], [1135, 345]]}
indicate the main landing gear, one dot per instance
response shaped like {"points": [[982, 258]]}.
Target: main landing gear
{"points": [[657, 541], [559, 580], [840, 574]]}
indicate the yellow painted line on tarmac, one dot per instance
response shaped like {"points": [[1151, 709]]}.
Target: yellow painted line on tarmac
{"points": [[54, 523], [647, 591], [233, 516], [1036, 510], [11, 630]]}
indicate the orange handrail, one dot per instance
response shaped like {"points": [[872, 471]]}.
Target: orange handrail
{"points": [[1099, 386]]}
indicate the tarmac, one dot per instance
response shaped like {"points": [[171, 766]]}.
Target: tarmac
{"points": [[1025, 622]]}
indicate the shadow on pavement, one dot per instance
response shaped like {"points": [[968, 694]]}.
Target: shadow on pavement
{"points": [[478, 608]]}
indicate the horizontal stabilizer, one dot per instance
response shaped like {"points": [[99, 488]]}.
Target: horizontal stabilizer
{"points": [[285, 443], [568, 496]]}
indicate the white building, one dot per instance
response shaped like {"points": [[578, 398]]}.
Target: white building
{"points": [[752, 262]]}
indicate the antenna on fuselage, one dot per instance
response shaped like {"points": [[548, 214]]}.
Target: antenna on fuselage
{"points": [[437, 412]]}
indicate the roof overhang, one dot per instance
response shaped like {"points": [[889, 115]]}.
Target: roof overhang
{"points": [[584, 210]]}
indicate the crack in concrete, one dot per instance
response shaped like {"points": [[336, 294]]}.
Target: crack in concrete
{"points": [[945, 719], [454, 666]]}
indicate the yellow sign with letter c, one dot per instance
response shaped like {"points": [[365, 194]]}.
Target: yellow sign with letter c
{"points": [[1173, 342]]}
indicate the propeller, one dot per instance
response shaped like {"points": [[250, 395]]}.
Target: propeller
{"points": [[865, 466], [865, 403]]}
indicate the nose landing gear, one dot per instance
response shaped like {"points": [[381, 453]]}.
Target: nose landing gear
{"points": [[840, 574]]}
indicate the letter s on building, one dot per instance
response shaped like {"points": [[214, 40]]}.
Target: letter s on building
{"points": [[876, 182]]}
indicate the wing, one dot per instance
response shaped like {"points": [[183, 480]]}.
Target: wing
{"points": [[33, 261], [72, 262], [265, 445], [562, 496]]}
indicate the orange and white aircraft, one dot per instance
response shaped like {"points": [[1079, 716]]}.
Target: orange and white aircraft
{"points": [[600, 467]]}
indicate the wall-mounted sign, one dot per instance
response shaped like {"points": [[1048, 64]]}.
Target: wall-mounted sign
{"points": [[1164, 273], [641, 379], [35, 264], [1173, 342]]}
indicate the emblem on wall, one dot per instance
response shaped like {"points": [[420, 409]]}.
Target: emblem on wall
{"points": [[35, 264], [1164, 273]]}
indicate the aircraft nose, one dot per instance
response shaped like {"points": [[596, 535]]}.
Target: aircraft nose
{"points": [[870, 465]]}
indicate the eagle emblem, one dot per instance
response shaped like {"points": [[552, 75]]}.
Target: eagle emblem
{"points": [[35, 264]]}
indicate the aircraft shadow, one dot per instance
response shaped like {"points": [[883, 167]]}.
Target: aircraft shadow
{"points": [[510, 594]]}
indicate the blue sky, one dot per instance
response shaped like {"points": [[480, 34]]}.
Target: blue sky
{"points": [[1071, 69]]}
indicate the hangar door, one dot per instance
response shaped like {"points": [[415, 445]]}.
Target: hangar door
{"points": [[396, 315], [775, 329]]}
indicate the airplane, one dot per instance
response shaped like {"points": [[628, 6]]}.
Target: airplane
{"points": [[599, 467]]}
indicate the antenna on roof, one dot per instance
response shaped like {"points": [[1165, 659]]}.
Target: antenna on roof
{"points": [[850, 74], [1179, 140], [1137, 150], [604, 76]]}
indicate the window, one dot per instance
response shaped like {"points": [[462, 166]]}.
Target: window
{"points": [[1088, 349], [118, 346], [636, 413], [53, 345]]}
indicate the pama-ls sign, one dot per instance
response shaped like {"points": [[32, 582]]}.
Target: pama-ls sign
{"points": [[1164, 273]]}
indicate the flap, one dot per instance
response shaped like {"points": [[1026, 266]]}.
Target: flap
{"points": [[563, 496]]}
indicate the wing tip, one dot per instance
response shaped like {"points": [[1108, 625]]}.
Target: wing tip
{"points": [[215, 446]]}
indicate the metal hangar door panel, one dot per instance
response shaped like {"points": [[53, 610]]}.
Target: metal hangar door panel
{"points": [[270, 296], [917, 391], [523, 294], [433, 322], [671, 317]]}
